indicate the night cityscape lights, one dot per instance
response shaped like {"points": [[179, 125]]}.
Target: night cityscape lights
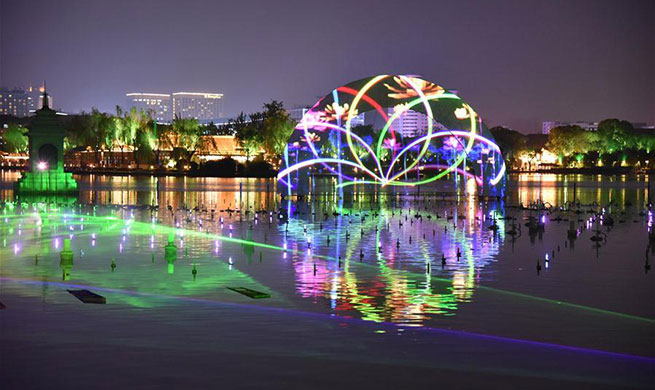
{"points": [[346, 219]]}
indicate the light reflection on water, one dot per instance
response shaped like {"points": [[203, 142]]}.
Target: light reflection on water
{"points": [[369, 270]]}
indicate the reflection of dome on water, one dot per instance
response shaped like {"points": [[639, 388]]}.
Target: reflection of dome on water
{"points": [[392, 287], [391, 131]]}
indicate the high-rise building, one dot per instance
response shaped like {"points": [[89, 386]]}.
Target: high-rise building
{"points": [[22, 102], [37, 98], [410, 123], [157, 103], [546, 127], [205, 107], [16, 102]]}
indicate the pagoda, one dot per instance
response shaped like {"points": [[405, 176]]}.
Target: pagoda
{"points": [[46, 174]]}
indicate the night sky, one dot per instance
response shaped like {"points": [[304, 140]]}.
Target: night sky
{"points": [[517, 63]]}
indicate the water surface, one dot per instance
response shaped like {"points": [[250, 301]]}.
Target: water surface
{"points": [[379, 293]]}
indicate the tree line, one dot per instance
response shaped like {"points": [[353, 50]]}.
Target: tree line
{"points": [[261, 135], [614, 143]]}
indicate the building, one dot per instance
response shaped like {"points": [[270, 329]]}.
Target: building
{"points": [[22, 102], [546, 127], [46, 150], [16, 102], [37, 98], [297, 113], [205, 107], [157, 103], [410, 123]]}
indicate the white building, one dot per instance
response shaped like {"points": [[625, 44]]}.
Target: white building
{"points": [[205, 107], [158, 103], [546, 127], [410, 123]]}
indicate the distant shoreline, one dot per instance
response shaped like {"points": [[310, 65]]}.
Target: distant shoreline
{"points": [[156, 173], [204, 173], [588, 171]]}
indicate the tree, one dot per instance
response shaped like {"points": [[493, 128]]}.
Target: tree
{"points": [[246, 134], [567, 140], [615, 135], [224, 130], [188, 134], [510, 142], [80, 131], [119, 131], [14, 139], [144, 143], [125, 129], [105, 131], [276, 129]]}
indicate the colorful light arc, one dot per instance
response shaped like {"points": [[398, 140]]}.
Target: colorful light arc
{"points": [[452, 139]]}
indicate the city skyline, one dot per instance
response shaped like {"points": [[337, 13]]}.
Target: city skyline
{"points": [[521, 63]]}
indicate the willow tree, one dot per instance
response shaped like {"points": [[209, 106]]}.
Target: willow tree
{"points": [[127, 125], [276, 129], [79, 130], [101, 133], [246, 133], [142, 133], [188, 134]]}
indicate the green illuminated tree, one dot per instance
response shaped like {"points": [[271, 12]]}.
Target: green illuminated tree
{"points": [[615, 135], [276, 128], [14, 139], [569, 140], [188, 134], [106, 129], [144, 141], [246, 133], [126, 128]]}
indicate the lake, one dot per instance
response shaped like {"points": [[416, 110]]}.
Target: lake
{"points": [[367, 289]]}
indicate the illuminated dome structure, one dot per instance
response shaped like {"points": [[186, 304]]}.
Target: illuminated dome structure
{"points": [[392, 130]]}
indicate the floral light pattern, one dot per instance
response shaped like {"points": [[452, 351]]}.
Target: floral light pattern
{"points": [[451, 140]]}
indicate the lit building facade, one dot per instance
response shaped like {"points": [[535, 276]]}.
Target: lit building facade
{"points": [[410, 123], [22, 102], [157, 103], [205, 107], [16, 102], [36, 93]]}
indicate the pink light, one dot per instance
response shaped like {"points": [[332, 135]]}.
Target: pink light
{"points": [[42, 166]]}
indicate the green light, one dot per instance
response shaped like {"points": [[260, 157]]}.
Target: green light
{"points": [[109, 224]]}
